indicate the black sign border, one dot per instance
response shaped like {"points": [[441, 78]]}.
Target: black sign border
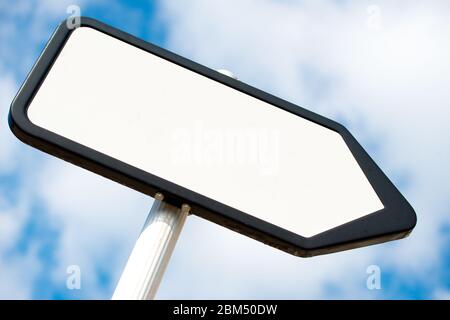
{"points": [[395, 221]]}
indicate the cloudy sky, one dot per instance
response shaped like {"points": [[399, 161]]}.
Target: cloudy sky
{"points": [[379, 67]]}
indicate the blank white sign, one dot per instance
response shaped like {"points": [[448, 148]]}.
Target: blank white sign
{"points": [[202, 135]]}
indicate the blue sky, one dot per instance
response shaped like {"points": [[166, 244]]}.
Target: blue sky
{"points": [[379, 67]]}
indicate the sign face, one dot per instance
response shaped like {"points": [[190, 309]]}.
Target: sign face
{"points": [[157, 122]]}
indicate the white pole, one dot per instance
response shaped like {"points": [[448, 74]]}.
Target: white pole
{"points": [[146, 265]]}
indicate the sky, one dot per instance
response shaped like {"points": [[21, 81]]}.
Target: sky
{"points": [[379, 67]]}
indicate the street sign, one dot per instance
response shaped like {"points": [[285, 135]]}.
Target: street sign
{"points": [[157, 122]]}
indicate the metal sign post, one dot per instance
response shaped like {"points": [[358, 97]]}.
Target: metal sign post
{"points": [[146, 265]]}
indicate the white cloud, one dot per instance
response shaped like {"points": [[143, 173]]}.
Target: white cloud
{"points": [[18, 163], [99, 221], [17, 275], [8, 144], [17, 269], [211, 262], [389, 83], [442, 294]]}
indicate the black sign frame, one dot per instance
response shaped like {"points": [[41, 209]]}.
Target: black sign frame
{"points": [[394, 221]]}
